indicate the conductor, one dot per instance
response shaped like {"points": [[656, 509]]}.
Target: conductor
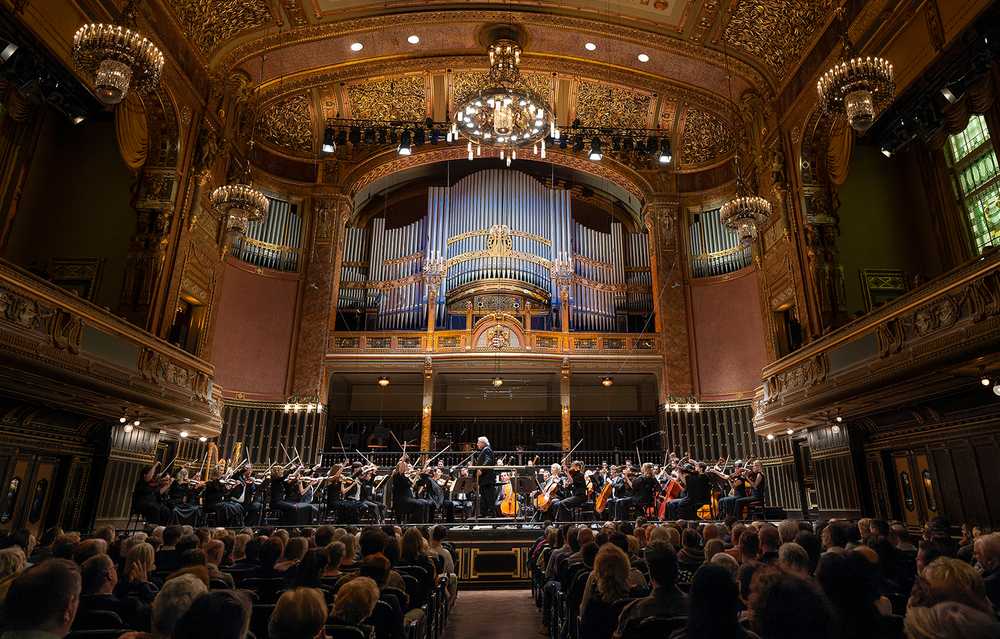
{"points": [[487, 478]]}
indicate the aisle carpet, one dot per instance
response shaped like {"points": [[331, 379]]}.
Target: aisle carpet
{"points": [[493, 614]]}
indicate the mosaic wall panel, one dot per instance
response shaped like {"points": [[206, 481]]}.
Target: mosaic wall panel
{"points": [[401, 98], [705, 137], [288, 124], [603, 105]]}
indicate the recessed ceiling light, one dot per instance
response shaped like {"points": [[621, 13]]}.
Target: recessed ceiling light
{"points": [[357, 46], [643, 57], [413, 39], [590, 46]]}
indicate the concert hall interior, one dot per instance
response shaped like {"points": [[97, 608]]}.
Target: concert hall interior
{"points": [[287, 234]]}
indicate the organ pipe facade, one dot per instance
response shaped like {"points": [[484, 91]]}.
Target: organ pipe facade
{"points": [[500, 234]]}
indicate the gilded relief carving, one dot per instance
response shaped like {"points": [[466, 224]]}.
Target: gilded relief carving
{"points": [[704, 137], [399, 98], [776, 31], [465, 83], [667, 113], [603, 105], [209, 24], [288, 124]]}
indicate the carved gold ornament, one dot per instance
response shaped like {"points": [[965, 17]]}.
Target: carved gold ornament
{"points": [[704, 138], [288, 124], [499, 242], [776, 31], [601, 105], [209, 24]]}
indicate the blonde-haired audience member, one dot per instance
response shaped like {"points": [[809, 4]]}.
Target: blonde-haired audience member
{"points": [[948, 579], [354, 603], [299, 614], [950, 620]]}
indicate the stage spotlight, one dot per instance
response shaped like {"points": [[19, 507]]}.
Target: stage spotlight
{"points": [[595, 149], [329, 140], [616, 143], [404, 144], [627, 145], [382, 133], [419, 137], [640, 147], [7, 49], [369, 136], [652, 143], [577, 143], [665, 156], [562, 142], [341, 137], [355, 136], [835, 429], [549, 142]]}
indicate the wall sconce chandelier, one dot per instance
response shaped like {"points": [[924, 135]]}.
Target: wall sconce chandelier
{"points": [[117, 57], [856, 86]]}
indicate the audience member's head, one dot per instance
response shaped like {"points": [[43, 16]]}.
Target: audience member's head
{"points": [[355, 600], [171, 534], [949, 579], [611, 570], [376, 568], [198, 572], [950, 620], [98, 575], [193, 557], [588, 554], [173, 600], [850, 583], [43, 598], [715, 603], [713, 547], [987, 552], [749, 546], [787, 531], [219, 614], [214, 550], [270, 552], [794, 558], [299, 614], [295, 549], [728, 562], [11, 561], [783, 606], [661, 560], [372, 541]]}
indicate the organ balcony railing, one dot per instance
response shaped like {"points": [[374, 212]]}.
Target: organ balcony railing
{"points": [[63, 352], [482, 340], [930, 344]]}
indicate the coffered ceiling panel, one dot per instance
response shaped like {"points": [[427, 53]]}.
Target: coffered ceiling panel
{"points": [[288, 124], [399, 98], [776, 31], [209, 24], [603, 105], [704, 137]]}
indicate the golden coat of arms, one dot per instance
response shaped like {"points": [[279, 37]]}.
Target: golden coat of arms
{"points": [[499, 242]]}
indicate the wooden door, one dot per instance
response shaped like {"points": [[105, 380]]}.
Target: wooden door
{"points": [[916, 489]]}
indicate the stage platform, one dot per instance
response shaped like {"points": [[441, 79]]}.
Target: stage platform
{"points": [[492, 555]]}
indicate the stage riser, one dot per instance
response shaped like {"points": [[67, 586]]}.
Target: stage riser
{"points": [[493, 558]]}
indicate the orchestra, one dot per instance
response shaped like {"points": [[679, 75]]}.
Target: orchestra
{"points": [[362, 491]]}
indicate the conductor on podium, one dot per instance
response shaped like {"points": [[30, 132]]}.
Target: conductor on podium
{"points": [[487, 478]]}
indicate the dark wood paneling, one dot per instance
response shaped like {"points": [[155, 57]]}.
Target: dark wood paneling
{"points": [[951, 502], [988, 456], [969, 483], [264, 429]]}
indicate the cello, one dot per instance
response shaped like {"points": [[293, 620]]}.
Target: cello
{"points": [[602, 498], [509, 506], [544, 498]]}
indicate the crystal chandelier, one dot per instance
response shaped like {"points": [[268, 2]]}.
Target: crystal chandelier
{"points": [[855, 86], [746, 213], [240, 204], [116, 57], [502, 112]]}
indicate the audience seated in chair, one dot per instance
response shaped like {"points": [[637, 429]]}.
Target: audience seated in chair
{"points": [[43, 600], [299, 614], [666, 600], [170, 604], [220, 614], [715, 604], [354, 604]]}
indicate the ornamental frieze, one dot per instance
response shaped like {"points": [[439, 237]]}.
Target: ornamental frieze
{"points": [[776, 32], [601, 105]]}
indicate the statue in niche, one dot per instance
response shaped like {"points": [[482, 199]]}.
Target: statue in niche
{"points": [[207, 152], [323, 215], [778, 168]]}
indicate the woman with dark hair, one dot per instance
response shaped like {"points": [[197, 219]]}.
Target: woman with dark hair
{"points": [[599, 615], [715, 606], [219, 614], [183, 500], [227, 513], [850, 581], [310, 569], [403, 501]]}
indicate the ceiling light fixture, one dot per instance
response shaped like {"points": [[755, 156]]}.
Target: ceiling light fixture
{"points": [[502, 112], [203, 439], [117, 57], [595, 149], [770, 437], [835, 429], [498, 381], [184, 433], [383, 381], [357, 46], [413, 39], [590, 46], [643, 57], [790, 431], [856, 86], [986, 381], [128, 428], [606, 381], [996, 389]]}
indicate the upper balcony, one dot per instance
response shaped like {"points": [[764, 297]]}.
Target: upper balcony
{"points": [[68, 355], [933, 342]]}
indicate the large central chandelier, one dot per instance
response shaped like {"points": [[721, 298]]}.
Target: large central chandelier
{"points": [[856, 87], [117, 57], [502, 112]]}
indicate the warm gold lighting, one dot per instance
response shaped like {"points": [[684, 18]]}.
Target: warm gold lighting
{"points": [[383, 381], [497, 381], [606, 381]]}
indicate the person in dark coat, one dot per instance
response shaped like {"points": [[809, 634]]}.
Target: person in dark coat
{"points": [[486, 483], [145, 497]]}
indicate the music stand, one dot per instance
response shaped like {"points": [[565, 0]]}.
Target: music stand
{"points": [[463, 485], [522, 485]]}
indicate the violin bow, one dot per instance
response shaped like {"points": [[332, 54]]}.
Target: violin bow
{"points": [[438, 455], [571, 452]]}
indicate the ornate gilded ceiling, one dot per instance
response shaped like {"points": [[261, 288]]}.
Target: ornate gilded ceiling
{"points": [[288, 124], [399, 98], [777, 31], [704, 137], [603, 105], [210, 23]]}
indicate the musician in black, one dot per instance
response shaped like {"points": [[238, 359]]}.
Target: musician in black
{"points": [[184, 496], [243, 492], [698, 493], [362, 491], [403, 501], [756, 484], [577, 490], [727, 505], [146, 496], [348, 510], [436, 489], [624, 494], [486, 484], [217, 500]]}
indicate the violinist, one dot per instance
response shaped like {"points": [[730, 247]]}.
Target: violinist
{"points": [[435, 486], [403, 501], [184, 495], [227, 513], [698, 493], [624, 493], [307, 494], [577, 489], [755, 485], [280, 493], [363, 490], [348, 510], [646, 486], [242, 492], [737, 484], [146, 494]]}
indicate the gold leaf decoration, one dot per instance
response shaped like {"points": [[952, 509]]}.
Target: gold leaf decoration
{"points": [[705, 137], [209, 23], [288, 124], [603, 105], [468, 82], [400, 98], [667, 112], [776, 31]]}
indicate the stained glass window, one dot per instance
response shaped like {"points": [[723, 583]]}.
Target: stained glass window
{"points": [[976, 180]]}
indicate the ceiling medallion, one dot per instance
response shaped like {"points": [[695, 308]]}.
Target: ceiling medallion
{"points": [[856, 87], [117, 57], [502, 112]]}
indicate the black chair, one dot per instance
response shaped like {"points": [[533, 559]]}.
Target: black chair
{"points": [[337, 631], [97, 620], [386, 623], [757, 510], [219, 584], [400, 596], [260, 616], [267, 589], [137, 518], [587, 508], [652, 627]]}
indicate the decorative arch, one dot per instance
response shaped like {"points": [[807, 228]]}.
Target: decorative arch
{"points": [[504, 328]]}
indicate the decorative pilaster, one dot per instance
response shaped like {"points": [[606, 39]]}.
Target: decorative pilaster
{"points": [[434, 272], [427, 405], [562, 271], [319, 294], [567, 437]]}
